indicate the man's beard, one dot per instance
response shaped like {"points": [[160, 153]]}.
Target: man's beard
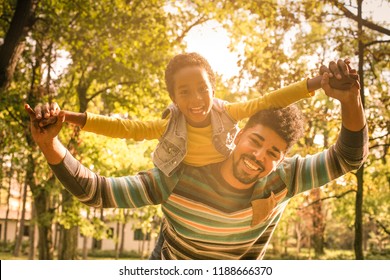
{"points": [[241, 175]]}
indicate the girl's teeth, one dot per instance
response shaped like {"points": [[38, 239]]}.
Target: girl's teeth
{"points": [[197, 109]]}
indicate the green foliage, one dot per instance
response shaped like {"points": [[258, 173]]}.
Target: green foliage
{"points": [[109, 57]]}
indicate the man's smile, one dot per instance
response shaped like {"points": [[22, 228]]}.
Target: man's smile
{"points": [[252, 164]]}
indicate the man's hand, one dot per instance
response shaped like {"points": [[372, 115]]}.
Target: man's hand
{"points": [[46, 114], [348, 81], [341, 75], [352, 111], [44, 135]]}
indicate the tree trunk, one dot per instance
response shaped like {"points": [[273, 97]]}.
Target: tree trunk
{"points": [[298, 232], [69, 236], [11, 171], [60, 240], [122, 243], [31, 251], [13, 45], [117, 240], [20, 201], [358, 241], [318, 223], [19, 238], [56, 237], [85, 243], [97, 243], [286, 241], [126, 215], [85, 247], [45, 217], [69, 244], [143, 244]]}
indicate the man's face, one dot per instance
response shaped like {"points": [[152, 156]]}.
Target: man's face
{"points": [[258, 152], [193, 94]]}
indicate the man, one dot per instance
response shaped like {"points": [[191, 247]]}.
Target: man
{"points": [[227, 210]]}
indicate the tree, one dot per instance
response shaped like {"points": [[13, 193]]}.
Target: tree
{"points": [[13, 44]]}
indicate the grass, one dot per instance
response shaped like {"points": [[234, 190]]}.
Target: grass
{"points": [[97, 255], [305, 254], [9, 256]]}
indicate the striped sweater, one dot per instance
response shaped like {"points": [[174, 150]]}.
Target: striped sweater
{"points": [[205, 217]]}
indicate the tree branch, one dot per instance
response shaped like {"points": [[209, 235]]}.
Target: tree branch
{"points": [[200, 20], [16, 119], [379, 145], [107, 88], [325, 198], [376, 42], [365, 23], [382, 226], [379, 137]]}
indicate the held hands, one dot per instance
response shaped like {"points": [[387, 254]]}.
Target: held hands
{"points": [[45, 130], [340, 81]]}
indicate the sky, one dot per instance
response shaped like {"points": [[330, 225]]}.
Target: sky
{"points": [[211, 39]]}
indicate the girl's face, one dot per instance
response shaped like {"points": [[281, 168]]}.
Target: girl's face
{"points": [[193, 94]]}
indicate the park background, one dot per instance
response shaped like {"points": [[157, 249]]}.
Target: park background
{"points": [[109, 57]]}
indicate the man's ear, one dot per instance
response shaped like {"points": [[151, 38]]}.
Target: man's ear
{"points": [[277, 164], [281, 160], [238, 137]]}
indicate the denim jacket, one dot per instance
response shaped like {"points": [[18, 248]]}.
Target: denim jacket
{"points": [[172, 147]]}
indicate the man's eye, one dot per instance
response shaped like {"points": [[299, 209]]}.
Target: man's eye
{"points": [[184, 92], [256, 143], [273, 155]]}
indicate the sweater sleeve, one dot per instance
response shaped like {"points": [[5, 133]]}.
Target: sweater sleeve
{"points": [[275, 99], [146, 188], [349, 153], [123, 128]]}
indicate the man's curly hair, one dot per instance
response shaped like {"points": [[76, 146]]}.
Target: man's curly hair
{"points": [[287, 122], [184, 60]]}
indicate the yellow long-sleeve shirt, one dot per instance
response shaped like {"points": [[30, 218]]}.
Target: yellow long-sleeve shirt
{"points": [[200, 149]]}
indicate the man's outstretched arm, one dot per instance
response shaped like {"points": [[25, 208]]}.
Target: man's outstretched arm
{"points": [[146, 188], [347, 154]]}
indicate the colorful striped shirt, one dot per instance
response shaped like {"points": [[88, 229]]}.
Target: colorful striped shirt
{"points": [[205, 217]]}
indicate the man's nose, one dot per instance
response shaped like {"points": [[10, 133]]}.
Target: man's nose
{"points": [[259, 154]]}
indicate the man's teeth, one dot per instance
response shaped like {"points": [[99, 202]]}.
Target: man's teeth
{"points": [[250, 165]]}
